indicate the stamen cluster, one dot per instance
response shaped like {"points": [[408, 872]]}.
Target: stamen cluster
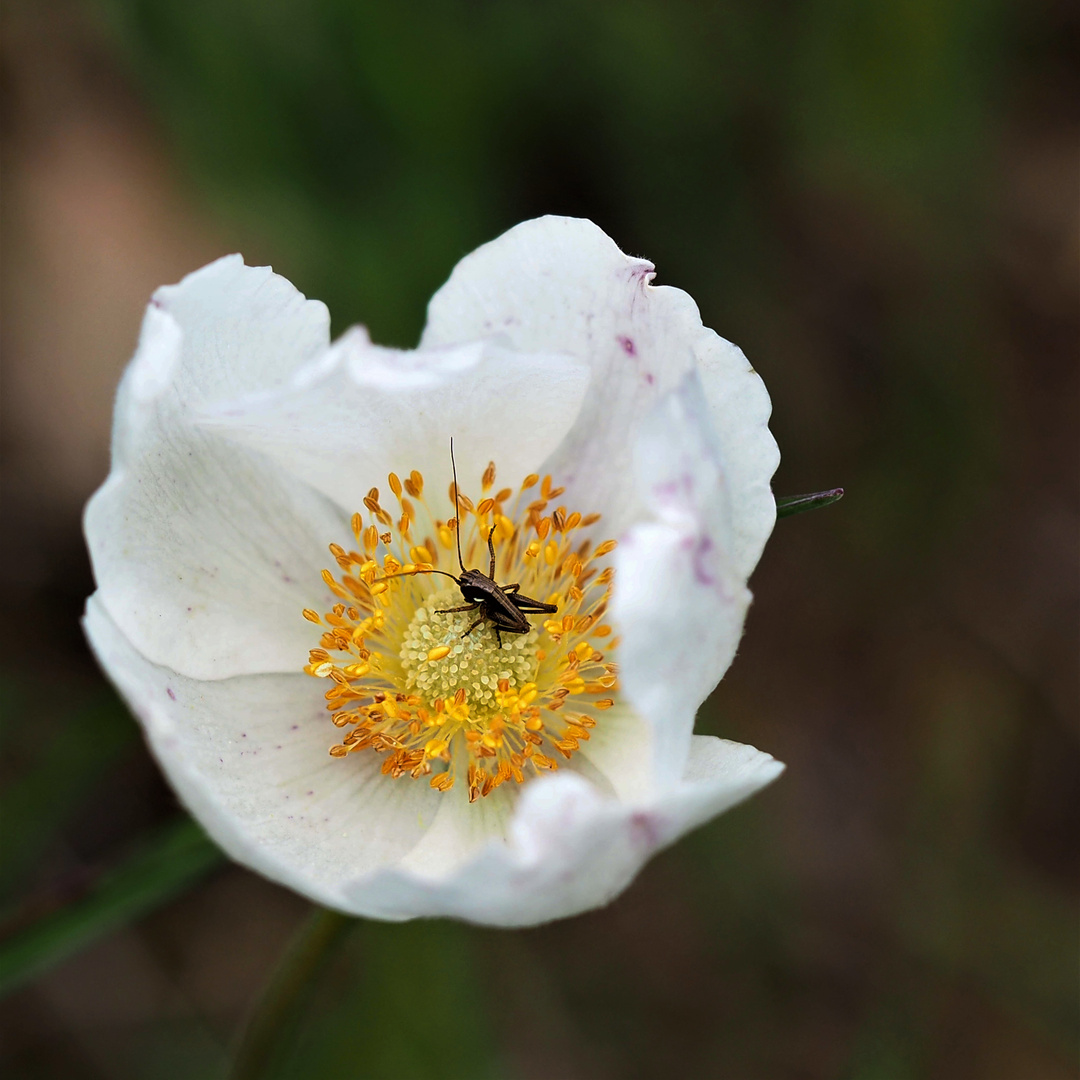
{"points": [[410, 679]]}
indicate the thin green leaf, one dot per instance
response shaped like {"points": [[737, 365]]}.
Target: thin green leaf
{"points": [[171, 861], [786, 505]]}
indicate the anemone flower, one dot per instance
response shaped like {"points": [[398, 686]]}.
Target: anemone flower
{"points": [[481, 702]]}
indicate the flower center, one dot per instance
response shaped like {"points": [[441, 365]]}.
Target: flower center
{"points": [[481, 674], [476, 662]]}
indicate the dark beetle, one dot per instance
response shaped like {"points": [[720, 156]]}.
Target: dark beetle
{"points": [[504, 606]]}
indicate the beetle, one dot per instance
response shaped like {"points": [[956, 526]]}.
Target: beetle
{"points": [[504, 606]]}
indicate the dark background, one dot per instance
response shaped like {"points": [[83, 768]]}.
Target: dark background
{"points": [[878, 202]]}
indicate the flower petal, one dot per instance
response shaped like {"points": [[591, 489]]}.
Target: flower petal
{"points": [[229, 329], [679, 602], [248, 757], [361, 411], [622, 748], [740, 408], [561, 284], [205, 554], [569, 848]]}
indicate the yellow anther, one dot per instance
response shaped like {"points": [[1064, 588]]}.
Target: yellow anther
{"points": [[395, 484], [439, 652], [551, 553], [333, 586], [311, 616]]}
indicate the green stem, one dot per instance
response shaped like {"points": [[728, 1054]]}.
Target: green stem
{"points": [[276, 1008]]}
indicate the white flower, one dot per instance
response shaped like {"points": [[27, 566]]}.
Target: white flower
{"points": [[505, 782]]}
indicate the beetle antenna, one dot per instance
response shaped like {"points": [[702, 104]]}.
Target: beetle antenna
{"points": [[410, 573], [457, 514]]}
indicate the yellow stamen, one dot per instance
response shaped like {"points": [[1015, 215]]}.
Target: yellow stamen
{"points": [[437, 690]]}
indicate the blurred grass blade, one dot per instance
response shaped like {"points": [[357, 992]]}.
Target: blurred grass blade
{"points": [[35, 806], [786, 505], [167, 863], [284, 996]]}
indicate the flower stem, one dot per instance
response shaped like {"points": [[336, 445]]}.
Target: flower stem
{"points": [[275, 1011]]}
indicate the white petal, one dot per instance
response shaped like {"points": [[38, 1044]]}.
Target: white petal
{"points": [[562, 284], [361, 411], [719, 775], [622, 748], [739, 406], [569, 848], [225, 330], [203, 553], [248, 756], [679, 601], [460, 830]]}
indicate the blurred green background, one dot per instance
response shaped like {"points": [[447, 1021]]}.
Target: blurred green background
{"points": [[878, 202]]}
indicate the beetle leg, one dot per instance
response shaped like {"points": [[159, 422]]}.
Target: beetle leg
{"points": [[510, 588], [530, 606], [451, 610], [475, 625]]}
